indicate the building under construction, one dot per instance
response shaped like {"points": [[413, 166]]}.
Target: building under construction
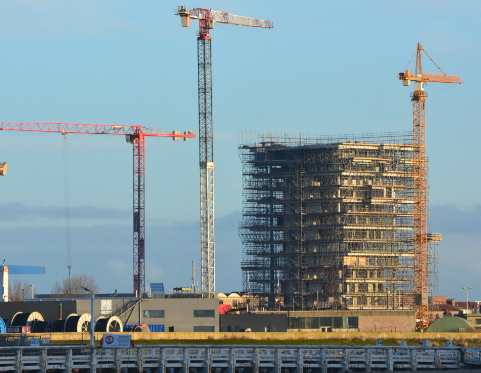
{"points": [[328, 222]]}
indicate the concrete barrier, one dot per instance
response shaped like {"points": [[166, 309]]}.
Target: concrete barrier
{"points": [[291, 336]]}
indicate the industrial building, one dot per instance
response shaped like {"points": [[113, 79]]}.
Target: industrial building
{"points": [[158, 314], [328, 222]]}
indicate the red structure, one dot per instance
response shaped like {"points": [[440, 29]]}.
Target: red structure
{"points": [[135, 135]]}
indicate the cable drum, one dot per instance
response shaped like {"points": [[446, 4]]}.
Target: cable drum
{"points": [[77, 323], [115, 325], [11, 321], [32, 317], [69, 322], [26, 319], [83, 324], [20, 319], [145, 328], [101, 324], [39, 326], [48, 326], [136, 328], [57, 326], [3, 327]]}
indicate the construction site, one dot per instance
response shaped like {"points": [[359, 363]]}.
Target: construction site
{"points": [[328, 222]]}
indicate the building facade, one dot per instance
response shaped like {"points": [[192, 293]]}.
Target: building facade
{"points": [[328, 222], [168, 314]]}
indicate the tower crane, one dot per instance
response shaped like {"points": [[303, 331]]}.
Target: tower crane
{"points": [[207, 19], [421, 236], [134, 135]]}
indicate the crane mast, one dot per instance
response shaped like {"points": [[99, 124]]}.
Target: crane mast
{"points": [[134, 135], [207, 19], [420, 176]]}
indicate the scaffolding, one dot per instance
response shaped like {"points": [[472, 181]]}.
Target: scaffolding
{"points": [[328, 221]]}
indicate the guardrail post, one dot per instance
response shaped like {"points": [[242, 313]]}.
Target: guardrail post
{"points": [[93, 360], [18, 360], [367, 357], [207, 360], [185, 365], [43, 360], [390, 360], [413, 360], [255, 365], [344, 362], [231, 360], [118, 360], [162, 360], [322, 363], [277, 363], [68, 362], [140, 360], [300, 361]]}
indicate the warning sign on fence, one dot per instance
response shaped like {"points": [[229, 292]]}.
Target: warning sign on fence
{"points": [[116, 341]]}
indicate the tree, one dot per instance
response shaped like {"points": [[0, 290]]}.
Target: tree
{"points": [[15, 293], [73, 285]]}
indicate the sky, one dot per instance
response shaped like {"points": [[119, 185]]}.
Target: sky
{"points": [[326, 68]]}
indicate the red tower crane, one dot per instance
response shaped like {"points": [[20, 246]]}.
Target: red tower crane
{"points": [[207, 19], [421, 236], [135, 135]]}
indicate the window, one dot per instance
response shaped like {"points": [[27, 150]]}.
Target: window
{"points": [[229, 328], [204, 313], [267, 328], [337, 321], [322, 322], [203, 328], [153, 313], [478, 321], [353, 322], [275, 328]]}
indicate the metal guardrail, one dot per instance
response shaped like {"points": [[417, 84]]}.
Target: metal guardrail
{"points": [[231, 358]]}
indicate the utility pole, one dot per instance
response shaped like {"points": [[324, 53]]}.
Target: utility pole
{"points": [[467, 289]]}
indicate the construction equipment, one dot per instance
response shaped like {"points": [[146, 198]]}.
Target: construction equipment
{"points": [[420, 180], [3, 168], [17, 270], [207, 19], [135, 135]]}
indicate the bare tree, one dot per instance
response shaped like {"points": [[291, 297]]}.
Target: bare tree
{"points": [[18, 291], [73, 285]]}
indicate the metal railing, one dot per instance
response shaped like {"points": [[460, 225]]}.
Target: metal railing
{"points": [[230, 358]]}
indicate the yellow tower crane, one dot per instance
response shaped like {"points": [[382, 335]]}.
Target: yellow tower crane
{"points": [[420, 180]]}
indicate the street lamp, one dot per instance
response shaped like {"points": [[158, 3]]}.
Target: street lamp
{"points": [[466, 298], [91, 315]]}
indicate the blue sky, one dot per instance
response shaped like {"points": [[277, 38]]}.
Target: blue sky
{"points": [[325, 68]]}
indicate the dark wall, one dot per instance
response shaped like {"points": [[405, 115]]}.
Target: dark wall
{"points": [[49, 310], [256, 322]]}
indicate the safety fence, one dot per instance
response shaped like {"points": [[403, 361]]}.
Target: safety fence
{"points": [[232, 359]]}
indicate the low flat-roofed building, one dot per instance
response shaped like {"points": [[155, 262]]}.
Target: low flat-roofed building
{"points": [[175, 314]]}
